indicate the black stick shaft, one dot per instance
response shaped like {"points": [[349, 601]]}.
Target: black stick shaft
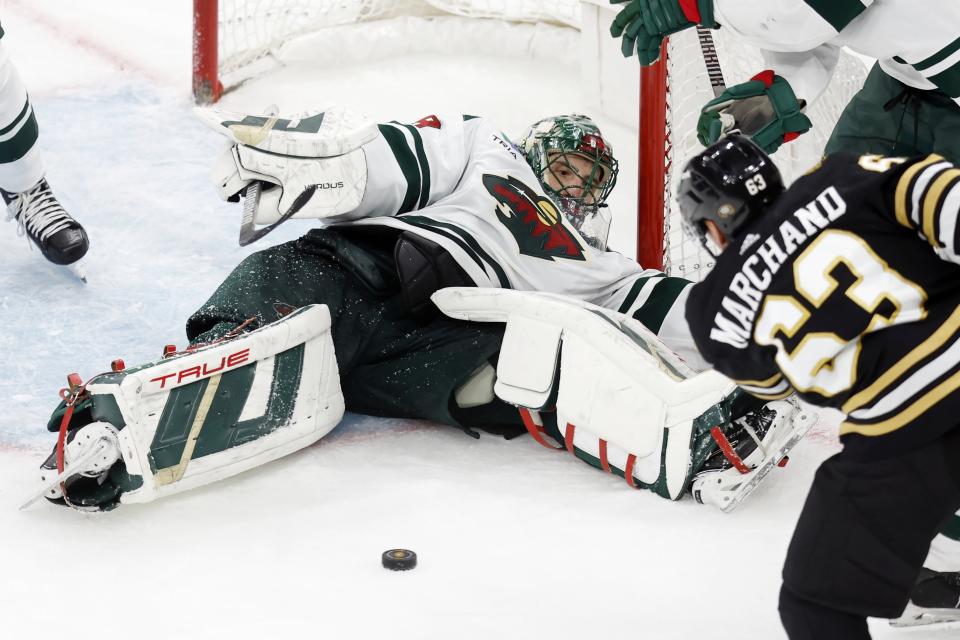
{"points": [[710, 58]]}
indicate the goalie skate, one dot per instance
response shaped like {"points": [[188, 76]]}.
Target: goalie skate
{"points": [[92, 450], [727, 488]]}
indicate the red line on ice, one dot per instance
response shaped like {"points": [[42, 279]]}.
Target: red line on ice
{"points": [[113, 57]]}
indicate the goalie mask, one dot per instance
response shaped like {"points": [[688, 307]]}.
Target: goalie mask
{"points": [[730, 183], [575, 165]]}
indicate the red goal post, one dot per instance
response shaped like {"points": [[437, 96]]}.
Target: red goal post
{"points": [[654, 156], [207, 87], [672, 92]]}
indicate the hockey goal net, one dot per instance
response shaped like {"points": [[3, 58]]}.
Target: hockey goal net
{"points": [[671, 95], [236, 39]]}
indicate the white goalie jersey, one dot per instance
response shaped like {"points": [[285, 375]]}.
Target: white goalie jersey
{"points": [[461, 183], [457, 181]]}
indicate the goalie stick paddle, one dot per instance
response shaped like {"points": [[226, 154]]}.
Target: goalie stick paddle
{"points": [[711, 60], [248, 231], [251, 197]]}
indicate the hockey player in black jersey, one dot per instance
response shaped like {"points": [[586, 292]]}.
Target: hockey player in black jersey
{"points": [[844, 288]]}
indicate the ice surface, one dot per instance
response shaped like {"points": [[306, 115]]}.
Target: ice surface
{"points": [[514, 541]]}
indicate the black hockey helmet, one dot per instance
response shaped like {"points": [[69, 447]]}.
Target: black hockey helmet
{"points": [[731, 182]]}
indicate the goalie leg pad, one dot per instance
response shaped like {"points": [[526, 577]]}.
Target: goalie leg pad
{"points": [[214, 411], [624, 402]]}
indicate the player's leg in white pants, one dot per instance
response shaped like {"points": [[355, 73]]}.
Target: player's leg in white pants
{"points": [[30, 201]]}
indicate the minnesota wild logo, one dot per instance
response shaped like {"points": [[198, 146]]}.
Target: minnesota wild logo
{"points": [[533, 220]]}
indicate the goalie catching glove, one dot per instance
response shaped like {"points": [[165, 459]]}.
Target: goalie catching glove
{"points": [[643, 24], [765, 109], [194, 417]]}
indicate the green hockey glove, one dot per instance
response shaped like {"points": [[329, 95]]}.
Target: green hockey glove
{"points": [[643, 24], [765, 109]]}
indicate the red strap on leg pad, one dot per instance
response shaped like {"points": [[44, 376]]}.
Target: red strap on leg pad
{"points": [[531, 420], [728, 452]]}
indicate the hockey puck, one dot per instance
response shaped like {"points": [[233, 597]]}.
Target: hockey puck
{"points": [[399, 559]]}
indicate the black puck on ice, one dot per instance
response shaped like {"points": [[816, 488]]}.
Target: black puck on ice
{"points": [[399, 559]]}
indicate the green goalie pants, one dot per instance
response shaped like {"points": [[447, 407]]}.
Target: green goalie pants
{"points": [[390, 364], [887, 117]]}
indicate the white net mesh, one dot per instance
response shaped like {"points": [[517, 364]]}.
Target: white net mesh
{"points": [[252, 29], [689, 89]]}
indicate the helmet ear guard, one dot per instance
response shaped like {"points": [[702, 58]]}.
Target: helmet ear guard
{"points": [[730, 183]]}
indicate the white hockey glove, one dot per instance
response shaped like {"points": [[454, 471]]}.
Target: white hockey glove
{"points": [[305, 167]]}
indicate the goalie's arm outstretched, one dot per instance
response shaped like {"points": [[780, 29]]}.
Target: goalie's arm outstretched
{"points": [[338, 166]]}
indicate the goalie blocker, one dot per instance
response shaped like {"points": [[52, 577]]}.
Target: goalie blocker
{"points": [[196, 417]]}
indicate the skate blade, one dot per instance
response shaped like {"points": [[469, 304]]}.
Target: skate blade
{"points": [[79, 270], [102, 446], [914, 616], [803, 421]]}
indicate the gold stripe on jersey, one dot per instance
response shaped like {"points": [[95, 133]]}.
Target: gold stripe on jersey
{"points": [[769, 382], [911, 413], [773, 388], [932, 201], [935, 341], [771, 396], [901, 199]]}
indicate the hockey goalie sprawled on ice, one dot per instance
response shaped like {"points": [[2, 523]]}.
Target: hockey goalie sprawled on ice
{"points": [[455, 277]]}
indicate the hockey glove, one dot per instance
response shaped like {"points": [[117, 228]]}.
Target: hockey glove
{"points": [[765, 109], [643, 24]]}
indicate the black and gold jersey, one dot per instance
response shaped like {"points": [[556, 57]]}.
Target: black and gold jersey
{"points": [[847, 291]]}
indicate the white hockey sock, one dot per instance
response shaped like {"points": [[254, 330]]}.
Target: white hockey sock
{"points": [[17, 130]]}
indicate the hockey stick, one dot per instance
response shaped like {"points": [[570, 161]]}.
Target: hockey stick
{"points": [[251, 197], [710, 58], [248, 231], [715, 73]]}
